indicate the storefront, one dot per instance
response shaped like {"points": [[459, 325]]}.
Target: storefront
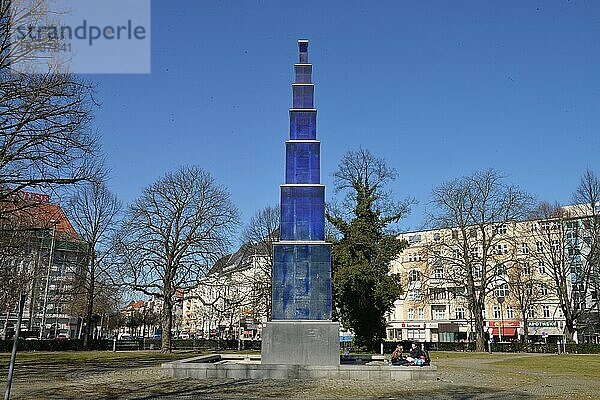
{"points": [[545, 330], [448, 332], [504, 331], [414, 331]]}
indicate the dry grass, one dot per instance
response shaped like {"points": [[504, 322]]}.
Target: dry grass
{"points": [[136, 375]]}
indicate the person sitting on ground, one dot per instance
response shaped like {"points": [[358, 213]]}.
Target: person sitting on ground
{"points": [[397, 357], [415, 355]]}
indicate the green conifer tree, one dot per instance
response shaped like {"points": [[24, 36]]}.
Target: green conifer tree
{"points": [[363, 289]]}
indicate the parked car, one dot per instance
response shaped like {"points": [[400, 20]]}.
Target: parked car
{"points": [[125, 336], [184, 335], [63, 336]]}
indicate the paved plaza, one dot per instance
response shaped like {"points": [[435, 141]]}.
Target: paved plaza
{"points": [[460, 375]]}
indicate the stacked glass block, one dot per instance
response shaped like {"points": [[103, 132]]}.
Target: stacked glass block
{"points": [[302, 259]]}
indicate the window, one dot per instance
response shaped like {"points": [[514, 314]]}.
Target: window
{"points": [[437, 258], [454, 234], [500, 270], [414, 294], [501, 249], [539, 247], [572, 235], [414, 275], [541, 267], [510, 312], [436, 236], [438, 294], [529, 289], [545, 225], [438, 273], [475, 252], [421, 313], [411, 314], [500, 229], [572, 224], [531, 312], [546, 311], [501, 290], [438, 312], [476, 271], [416, 334], [414, 257], [533, 227], [524, 248], [555, 245], [526, 269], [457, 291], [456, 254], [473, 233], [460, 313], [414, 239], [543, 290], [496, 312]]}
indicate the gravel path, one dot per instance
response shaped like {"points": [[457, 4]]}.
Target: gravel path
{"points": [[472, 377]]}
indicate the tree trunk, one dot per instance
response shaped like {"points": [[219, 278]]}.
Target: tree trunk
{"points": [[479, 331], [570, 331], [525, 327], [167, 323], [90, 303]]}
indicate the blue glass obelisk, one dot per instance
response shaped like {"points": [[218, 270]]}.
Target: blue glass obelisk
{"points": [[301, 331]]}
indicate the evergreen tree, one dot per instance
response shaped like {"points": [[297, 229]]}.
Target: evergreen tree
{"points": [[363, 289]]}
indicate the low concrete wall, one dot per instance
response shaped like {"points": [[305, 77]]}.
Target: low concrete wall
{"points": [[244, 367]]}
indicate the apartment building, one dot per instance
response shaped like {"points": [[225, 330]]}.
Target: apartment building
{"points": [[524, 263], [41, 256], [233, 297]]}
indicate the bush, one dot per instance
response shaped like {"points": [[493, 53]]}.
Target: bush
{"points": [[55, 345]]}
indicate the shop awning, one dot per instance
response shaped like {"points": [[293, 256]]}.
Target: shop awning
{"points": [[550, 330], [445, 327], [506, 331]]}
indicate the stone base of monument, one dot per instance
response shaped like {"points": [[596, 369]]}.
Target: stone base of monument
{"points": [[301, 343], [240, 366]]}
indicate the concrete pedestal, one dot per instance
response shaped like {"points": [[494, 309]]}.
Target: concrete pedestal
{"points": [[310, 343]]}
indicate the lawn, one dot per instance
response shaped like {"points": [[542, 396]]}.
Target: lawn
{"points": [[578, 365], [136, 375]]}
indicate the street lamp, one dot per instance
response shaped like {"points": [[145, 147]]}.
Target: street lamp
{"points": [[501, 301], [50, 257]]}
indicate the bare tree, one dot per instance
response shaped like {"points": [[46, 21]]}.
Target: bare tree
{"points": [[526, 289], [93, 210], [45, 137], [587, 203], [179, 226], [17, 263], [261, 233], [568, 249], [476, 212]]}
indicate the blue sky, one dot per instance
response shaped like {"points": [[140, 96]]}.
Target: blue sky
{"points": [[438, 88]]}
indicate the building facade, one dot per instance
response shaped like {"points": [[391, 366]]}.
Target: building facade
{"points": [[529, 266], [43, 259], [232, 300]]}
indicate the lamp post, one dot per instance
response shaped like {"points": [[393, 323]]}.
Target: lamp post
{"points": [[50, 257], [501, 301]]}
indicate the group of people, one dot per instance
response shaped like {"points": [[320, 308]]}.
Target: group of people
{"points": [[417, 356]]}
